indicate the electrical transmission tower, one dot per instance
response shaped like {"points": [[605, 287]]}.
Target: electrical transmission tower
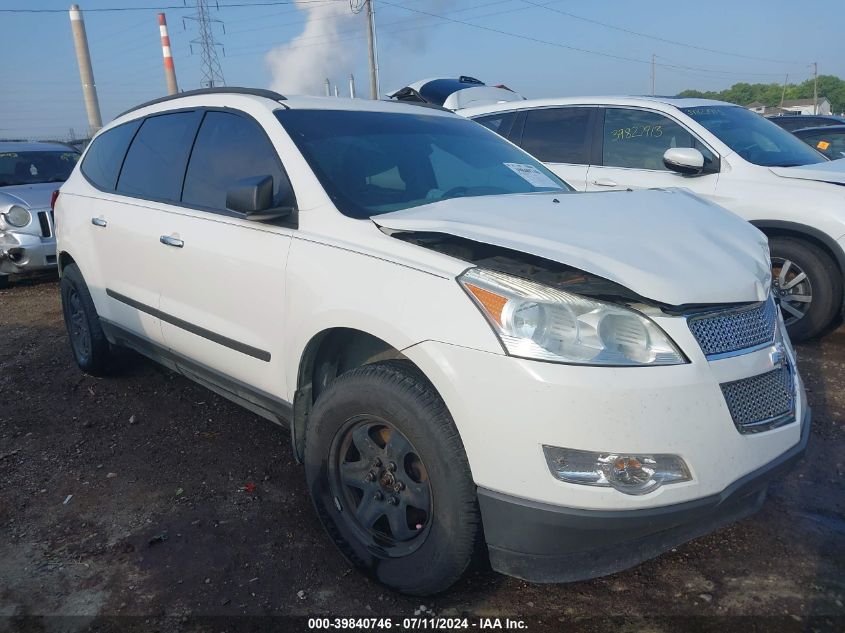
{"points": [[212, 73]]}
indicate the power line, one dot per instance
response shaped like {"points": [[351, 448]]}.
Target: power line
{"points": [[661, 39], [572, 48], [323, 39], [175, 6], [260, 46]]}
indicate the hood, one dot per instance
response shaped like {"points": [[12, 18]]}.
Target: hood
{"points": [[665, 245], [828, 171], [35, 196]]}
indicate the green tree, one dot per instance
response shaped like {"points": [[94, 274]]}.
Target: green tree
{"points": [[742, 94]]}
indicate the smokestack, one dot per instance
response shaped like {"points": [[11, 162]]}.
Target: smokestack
{"points": [[86, 73], [336, 94], [328, 87], [351, 86], [169, 68]]}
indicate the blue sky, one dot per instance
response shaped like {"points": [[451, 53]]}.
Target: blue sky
{"points": [[42, 95]]}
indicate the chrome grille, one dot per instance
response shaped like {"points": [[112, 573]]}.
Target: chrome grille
{"points": [[732, 330], [761, 402]]}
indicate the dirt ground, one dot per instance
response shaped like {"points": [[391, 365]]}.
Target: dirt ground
{"points": [[145, 495]]}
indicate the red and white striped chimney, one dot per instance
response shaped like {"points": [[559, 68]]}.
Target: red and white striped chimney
{"points": [[169, 68]]}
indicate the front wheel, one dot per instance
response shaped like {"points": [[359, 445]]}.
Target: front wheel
{"points": [[390, 480], [807, 285]]}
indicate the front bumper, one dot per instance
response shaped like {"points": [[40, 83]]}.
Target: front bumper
{"points": [[545, 543], [507, 408], [23, 253]]}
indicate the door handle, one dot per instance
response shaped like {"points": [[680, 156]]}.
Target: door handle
{"points": [[171, 241], [605, 182], [99, 222]]}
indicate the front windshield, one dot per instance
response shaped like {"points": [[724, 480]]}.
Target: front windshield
{"points": [[377, 162], [753, 137], [29, 168]]}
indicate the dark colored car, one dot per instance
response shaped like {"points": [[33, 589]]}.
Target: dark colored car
{"points": [[828, 139], [792, 122]]}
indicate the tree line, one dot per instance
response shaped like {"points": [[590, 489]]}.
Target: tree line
{"points": [[742, 94]]}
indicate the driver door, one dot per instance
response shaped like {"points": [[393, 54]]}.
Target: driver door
{"points": [[633, 141]]}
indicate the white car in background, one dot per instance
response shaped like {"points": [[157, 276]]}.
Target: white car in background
{"points": [[723, 152]]}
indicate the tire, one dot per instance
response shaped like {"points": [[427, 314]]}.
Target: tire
{"points": [[88, 342], [822, 284], [419, 545]]}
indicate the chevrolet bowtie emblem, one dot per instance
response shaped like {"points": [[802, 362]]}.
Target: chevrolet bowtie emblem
{"points": [[778, 355]]}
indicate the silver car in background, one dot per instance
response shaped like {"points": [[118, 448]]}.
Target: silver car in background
{"points": [[29, 174]]}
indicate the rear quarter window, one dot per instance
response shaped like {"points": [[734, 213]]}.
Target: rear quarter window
{"points": [[103, 159]]}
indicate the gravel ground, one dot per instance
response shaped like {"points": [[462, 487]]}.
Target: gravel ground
{"points": [[145, 495]]}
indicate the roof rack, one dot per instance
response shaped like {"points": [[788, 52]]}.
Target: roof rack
{"points": [[257, 92]]}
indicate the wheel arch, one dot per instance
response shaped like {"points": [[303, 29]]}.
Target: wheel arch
{"points": [[65, 259], [328, 354], [779, 228]]}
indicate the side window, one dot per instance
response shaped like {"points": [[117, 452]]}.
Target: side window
{"points": [[155, 164], [105, 156], [638, 139], [558, 135], [228, 148], [501, 123]]}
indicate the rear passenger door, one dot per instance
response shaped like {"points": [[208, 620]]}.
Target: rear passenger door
{"points": [[561, 137], [223, 295], [631, 147], [130, 224]]}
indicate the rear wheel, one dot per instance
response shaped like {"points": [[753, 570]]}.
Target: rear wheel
{"points": [[806, 284], [87, 341], [390, 480]]}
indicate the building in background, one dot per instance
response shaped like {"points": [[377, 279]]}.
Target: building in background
{"points": [[792, 106]]}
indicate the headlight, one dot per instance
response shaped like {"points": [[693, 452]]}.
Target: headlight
{"points": [[631, 474], [17, 216], [543, 323]]}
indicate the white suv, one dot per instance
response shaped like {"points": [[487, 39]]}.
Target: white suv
{"points": [[454, 338], [728, 154]]}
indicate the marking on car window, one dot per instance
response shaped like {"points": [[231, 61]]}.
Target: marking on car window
{"points": [[637, 131]]}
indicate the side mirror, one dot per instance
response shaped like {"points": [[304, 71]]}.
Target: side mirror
{"points": [[254, 198], [684, 160]]}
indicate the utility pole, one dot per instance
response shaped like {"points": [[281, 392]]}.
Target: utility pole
{"points": [[86, 72], [783, 92], [815, 87], [373, 52], [212, 73], [652, 74]]}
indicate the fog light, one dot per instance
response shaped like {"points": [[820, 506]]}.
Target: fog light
{"points": [[631, 474]]}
